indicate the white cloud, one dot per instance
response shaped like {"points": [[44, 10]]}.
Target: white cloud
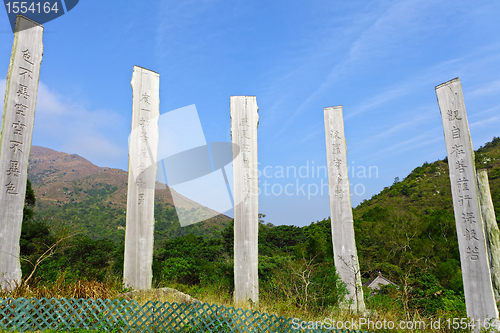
{"points": [[181, 18], [312, 134], [415, 142], [384, 34], [50, 102], [492, 121], [397, 22], [486, 89], [68, 126], [420, 114], [402, 89]]}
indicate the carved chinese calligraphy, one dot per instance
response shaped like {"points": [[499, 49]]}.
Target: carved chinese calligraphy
{"points": [[244, 121], [478, 290], [143, 150], [15, 142], [344, 246]]}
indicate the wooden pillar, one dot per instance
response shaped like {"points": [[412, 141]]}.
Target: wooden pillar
{"points": [[15, 142], [490, 229], [344, 245], [244, 122], [143, 151], [478, 289]]}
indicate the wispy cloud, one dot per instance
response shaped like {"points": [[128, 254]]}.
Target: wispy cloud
{"points": [[396, 21], [68, 126], [179, 26], [393, 93], [492, 121], [413, 143], [486, 89], [412, 123], [318, 130], [382, 39]]}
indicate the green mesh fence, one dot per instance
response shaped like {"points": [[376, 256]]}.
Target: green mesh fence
{"points": [[128, 316]]}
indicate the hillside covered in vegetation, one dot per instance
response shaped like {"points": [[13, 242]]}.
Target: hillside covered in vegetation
{"points": [[406, 232], [74, 194]]}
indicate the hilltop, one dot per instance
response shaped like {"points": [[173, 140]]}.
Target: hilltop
{"points": [[408, 232], [74, 194]]}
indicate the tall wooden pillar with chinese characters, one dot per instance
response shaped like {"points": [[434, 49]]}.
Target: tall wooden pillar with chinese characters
{"points": [[478, 289], [244, 122], [15, 142], [344, 245], [143, 151], [491, 230]]}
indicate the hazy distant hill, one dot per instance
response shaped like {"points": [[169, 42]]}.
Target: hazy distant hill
{"points": [[73, 193]]}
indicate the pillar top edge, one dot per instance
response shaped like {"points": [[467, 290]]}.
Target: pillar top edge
{"points": [[333, 107], [20, 16], [144, 69], [448, 82]]}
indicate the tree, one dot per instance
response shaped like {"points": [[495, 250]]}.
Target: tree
{"points": [[88, 258], [37, 243], [228, 239], [29, 202]]}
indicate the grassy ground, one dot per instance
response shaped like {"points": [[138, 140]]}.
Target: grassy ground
{"points": [[387, 308]]}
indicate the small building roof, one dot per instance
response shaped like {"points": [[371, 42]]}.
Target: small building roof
{"points": [[378, 281]]}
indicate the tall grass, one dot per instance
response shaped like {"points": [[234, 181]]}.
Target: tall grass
{"points": [[63, 289], [387, 306]]}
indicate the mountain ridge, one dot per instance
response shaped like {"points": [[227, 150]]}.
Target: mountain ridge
{"points": [[71, 191], [410, 226]]}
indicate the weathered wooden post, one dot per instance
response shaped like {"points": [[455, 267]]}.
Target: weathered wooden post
{"points": [[244, 122], [15, 142], [490, 229], [344, 245], [478, 289], [143, 151]]}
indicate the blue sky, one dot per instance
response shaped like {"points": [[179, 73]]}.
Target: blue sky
{"points": [[379, 59]]}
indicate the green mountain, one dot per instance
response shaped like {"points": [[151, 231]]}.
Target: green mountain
{"points": [[408, 232], [82, 198], [408, 224]]}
